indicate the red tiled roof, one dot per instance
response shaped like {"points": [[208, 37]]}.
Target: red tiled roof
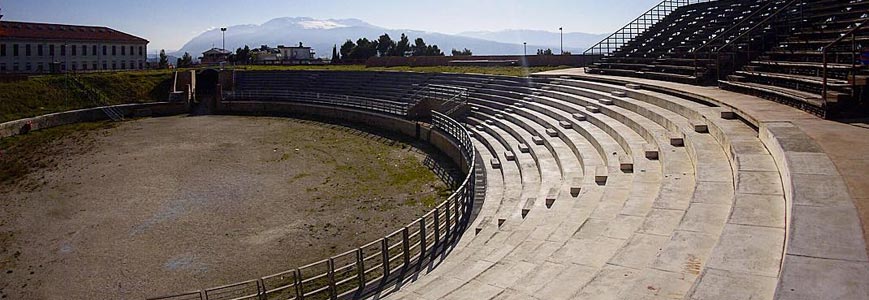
{"points": [[43, 31]]}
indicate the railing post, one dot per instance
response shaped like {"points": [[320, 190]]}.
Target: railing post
{"points": [[261, 289], [437, 226], [384, 251], [333, 293], [422, 238], [360, 268], [405, 246], [824, 83], [447, 221], [297, 278]]}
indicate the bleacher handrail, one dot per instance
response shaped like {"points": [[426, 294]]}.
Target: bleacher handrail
{"points": [[638, 26], [825, 52], [737, 25], [764, 22], [448, 220]]}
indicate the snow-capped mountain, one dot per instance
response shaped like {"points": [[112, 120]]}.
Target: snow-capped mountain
{"points": [[575, 42], [323, 34]]}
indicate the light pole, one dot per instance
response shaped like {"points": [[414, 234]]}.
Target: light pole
{"points": [[223, 30], [525, 44], [561, 29]]}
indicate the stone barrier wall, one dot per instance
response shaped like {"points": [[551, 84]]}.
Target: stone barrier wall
{"points": [[13, 128]]}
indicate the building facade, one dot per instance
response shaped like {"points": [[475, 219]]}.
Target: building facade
{"points": [[301, 53], [56, 48], [214, 56]]}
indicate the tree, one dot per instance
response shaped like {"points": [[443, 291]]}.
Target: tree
{"points": [[419, 47], [241, 56], [465, 52], [185, 61], [385, 45], [433, 50], [365, 49], [544, 52], [347, 48], [164, 60], [335, 57], [402, 47]]}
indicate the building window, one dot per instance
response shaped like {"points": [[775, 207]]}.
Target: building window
{"points": [[27, 51], [105, 66], [73, 66], [104, 50], [15, 50], [2, 49], [73, 50], [2, 67], [114, 50], [63, 67], [114, 65], [123, 50], [84, 66], [141, 65], [51, 50], [94, 51], [62, 50], [40, 67], [123, 64], [84, 50], [28, 67], [141, 50], [15, 67], [131, 52], [39, 50]]}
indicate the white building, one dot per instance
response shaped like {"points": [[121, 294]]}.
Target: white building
{"points": [[296, 53], [43, 48]]}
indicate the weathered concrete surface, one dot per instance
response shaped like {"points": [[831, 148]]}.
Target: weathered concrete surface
{"points": [[825, 169]]}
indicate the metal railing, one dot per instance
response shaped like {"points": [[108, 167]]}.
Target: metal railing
{"points": [[380, 105], [365, 270], [854, 52], [638, 26]]}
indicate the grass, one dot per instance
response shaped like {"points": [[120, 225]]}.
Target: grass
{"points": [[45, 94], [23, 154], [505, 71]]}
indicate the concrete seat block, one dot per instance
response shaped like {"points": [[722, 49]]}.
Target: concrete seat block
{"points": [[486, 220], [551, 132], [633, 86], [579, 117], [510, 156], [551, 196], [700, 127], [546, 87], [600, 175], [564, 77], [519, 104], [593, 109], [529, 99], [626, 164], [537, 140], [496, 163], [471, 134], [526, 208], [677, 140], [490, 122], [728, 115], [537, 93], [475, 108], [508, 110], [619, 93], [651, 152], [499, 116], [501, 222], [524, 148], [575, 190], [565, 124], [479, 127], [605, 101]]}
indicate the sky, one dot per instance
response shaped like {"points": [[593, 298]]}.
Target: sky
{"points": [[169, 24]]}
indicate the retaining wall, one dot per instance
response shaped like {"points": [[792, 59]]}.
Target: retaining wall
{"points": [[13, 128]]}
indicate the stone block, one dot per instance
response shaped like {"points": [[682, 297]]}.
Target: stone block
{"points": [[565, 124], [605, 101], [579, 117], [626, 164], [633, 86], [490, 122], [526, 208], [510, 156], [600, 175], [651, 152], [593, 109], [677, 140], [496, 163], [551, 132], [519, 104], [524, 148], [728, 115], [619, 93], [537, 140], [508, 110]]}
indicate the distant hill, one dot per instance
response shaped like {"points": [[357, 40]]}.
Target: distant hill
{"points": [[575, 42], [323, 34]]}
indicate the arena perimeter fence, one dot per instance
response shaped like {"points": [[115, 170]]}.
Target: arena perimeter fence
{"points": [[368, 269], [373, 104]]}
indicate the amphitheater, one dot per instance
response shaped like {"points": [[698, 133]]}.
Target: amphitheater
{"points": [[709, 154]]}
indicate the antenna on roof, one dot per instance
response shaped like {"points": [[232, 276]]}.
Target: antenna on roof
{"points": [[1, 15]]}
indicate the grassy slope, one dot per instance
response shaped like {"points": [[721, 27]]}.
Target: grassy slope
{"points": [[51, 93]]}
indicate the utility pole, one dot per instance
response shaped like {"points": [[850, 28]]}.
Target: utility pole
{"points": [[223, 30], [561, 29], [525, 44]]}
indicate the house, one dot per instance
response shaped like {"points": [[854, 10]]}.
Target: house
{"points": [[214, 56], [300, 53]]}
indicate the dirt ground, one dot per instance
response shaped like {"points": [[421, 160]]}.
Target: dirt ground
{"points": [[164, 205]]}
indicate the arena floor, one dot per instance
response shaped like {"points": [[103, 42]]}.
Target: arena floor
{"points": [[164, 205]]}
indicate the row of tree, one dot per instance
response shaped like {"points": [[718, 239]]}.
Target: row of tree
{"points": [[384, 46]]}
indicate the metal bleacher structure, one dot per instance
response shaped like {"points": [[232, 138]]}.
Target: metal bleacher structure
{"points": [[802, 53]]}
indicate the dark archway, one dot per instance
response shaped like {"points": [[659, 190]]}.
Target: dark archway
{"points": [[206, 91]]}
